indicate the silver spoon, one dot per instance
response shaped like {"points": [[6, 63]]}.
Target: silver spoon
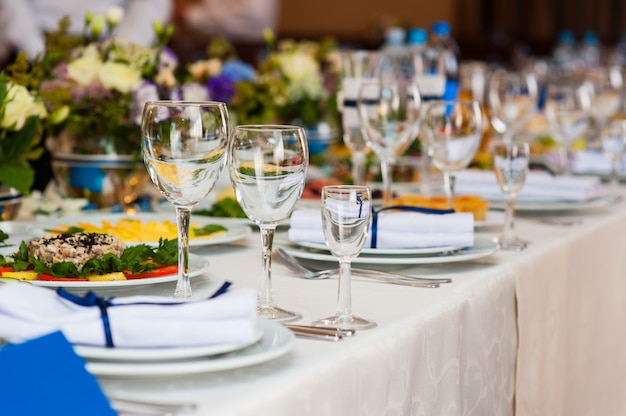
{"points": [[294, 265]]}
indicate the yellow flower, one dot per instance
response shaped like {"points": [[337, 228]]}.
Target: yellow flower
{"points": [[19, 106], [120, 77], [85, 69]]}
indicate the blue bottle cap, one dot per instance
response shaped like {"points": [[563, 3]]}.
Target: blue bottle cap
{"points": [[566, 37], [440, 28], [590, 38], [417, 36]]}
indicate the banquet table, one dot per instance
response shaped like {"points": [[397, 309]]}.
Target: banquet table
{"points": [[536, 332]]}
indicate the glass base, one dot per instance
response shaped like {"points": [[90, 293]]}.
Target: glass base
{"points": [[344, 322], [274, 313], [511, 243]]}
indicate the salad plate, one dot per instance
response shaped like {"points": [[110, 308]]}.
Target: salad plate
{"points": [[159, 354], [234, 231], [197, 266], [276, 341], [482, 247]]}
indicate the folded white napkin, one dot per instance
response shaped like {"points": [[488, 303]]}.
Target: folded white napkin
{"points": [[28, 312], [538, 186], [395, 229], [594, 162]]}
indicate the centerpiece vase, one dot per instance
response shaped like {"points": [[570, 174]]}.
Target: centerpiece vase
{"points": [[10, 203], [98, 170]]}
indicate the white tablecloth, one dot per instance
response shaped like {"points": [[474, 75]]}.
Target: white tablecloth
{"points": [[538, 332]]}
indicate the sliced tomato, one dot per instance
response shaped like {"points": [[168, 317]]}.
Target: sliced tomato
{"points": [[51, 278], [6, 269], [161, 271]]}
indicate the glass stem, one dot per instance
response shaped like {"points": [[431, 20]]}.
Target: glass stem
{"points": [[509, 217], [358, 167], [613, 180], [265, 285], [385, 170], [344, 296], [183, 288], [449, 180]]}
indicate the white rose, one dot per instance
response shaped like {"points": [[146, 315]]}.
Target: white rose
{"points": [[85, 69], [19, 106], [120, 77], [297, 66], [114, 15]]}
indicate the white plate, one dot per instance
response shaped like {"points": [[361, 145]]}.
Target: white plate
{"points": [[17, 233], [158, 354], [482, 247], [538, 206], [234, 231], [276, 341], [384, 251], [197, 266]]}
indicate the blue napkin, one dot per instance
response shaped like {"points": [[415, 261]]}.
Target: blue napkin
{"points": [[44, 376]]}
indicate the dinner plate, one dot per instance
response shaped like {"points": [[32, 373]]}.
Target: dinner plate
{"points": [[482, 247], [158, 354], [548, 205], [383, 251], [197, 266], [276, 341], [234, 231]]}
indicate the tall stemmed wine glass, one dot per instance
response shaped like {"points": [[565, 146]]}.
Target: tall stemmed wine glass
{"points": [[183, 145], [390, 115], [607, 83], [568, 110], [512, 100], [510, 161], [268, 166], [613, 136], [346, 221], [356, 66], [453, 130]]}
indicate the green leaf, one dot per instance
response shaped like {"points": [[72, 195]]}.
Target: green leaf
{"points": [[209, 229], [17, 175]]}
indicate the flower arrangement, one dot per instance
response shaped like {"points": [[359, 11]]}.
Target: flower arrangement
{"points": [[20, 134], [96, 88], [295, 83]]}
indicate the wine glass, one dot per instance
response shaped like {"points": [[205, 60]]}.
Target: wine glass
{"points": [[453, 130], [390, 115], [510, 161], [183, 147], [346, 211], [613, 136], [568, 110], [268, 166], [356, 66], [512, 100], [607, 85]]}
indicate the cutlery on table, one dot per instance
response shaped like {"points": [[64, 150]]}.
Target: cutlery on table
{"points": [[294, 265], [316, 332]]}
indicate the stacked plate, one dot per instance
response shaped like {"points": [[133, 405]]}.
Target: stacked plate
{"points": [[273, 340], [445, 254]]}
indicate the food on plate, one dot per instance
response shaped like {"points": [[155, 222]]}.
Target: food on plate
{"points": [[313, 189], [75, 248], [463, 203], [89, 257], [226, 205], [136, 230]]}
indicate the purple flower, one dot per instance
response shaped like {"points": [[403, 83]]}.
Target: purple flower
{"points": [[237, 71], [168, 59], [221, 88], [192, 91], [147, 92]]}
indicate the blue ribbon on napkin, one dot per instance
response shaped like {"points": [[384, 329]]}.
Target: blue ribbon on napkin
{"points": [[374, 228], [90, 299]]}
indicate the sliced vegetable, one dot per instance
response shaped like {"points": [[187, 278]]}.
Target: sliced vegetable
{"points": [[161, 271], [24, 275], [106, 277]]}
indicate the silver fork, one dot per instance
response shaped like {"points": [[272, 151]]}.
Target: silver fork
{"points": [[294, 265]]}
